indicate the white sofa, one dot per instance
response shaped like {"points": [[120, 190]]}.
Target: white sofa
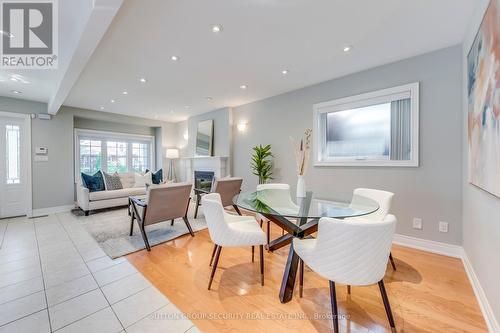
{"points": [[88, 201]]}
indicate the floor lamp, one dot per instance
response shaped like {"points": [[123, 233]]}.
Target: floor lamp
{"points": [[172, 153]]}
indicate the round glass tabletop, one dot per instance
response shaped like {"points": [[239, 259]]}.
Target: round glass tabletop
{"points": [[279, 203]]}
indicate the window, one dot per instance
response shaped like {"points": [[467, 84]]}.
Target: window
{"points": [[374, 129], [90, 156], [140, 152], [112, 152], [117, 156], [13, 152]]}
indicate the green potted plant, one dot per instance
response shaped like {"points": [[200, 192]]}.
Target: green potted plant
{"points": [[262, 163]]}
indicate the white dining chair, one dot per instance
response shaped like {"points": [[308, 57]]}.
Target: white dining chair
{"points": [[280, 198], [228, 230], [352, 253], [384, 200]]}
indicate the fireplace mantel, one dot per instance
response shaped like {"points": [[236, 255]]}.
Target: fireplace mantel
{"points": [[219, 165]]}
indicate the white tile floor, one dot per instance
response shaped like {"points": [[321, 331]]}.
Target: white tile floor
{"points": [[55, 278]]}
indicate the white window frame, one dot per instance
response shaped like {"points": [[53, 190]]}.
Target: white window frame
{"points": [[364, 100], [104, 135]]}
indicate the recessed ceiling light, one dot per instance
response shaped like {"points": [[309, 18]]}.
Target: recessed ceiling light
{"points": [[143, 80], [217, 28], [284, 72], [125, 92], [102, 108], [243, 86], [174, 58], [16, 92], [112, 101], [208, 98], [347, 48]]}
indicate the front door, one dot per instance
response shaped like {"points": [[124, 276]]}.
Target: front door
{"points": [[13, 167]]}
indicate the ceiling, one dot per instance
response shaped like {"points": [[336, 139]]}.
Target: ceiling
{"points": [[260, 38]]}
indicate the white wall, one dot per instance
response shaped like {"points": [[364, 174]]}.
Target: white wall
{"points": [[481, 210]]}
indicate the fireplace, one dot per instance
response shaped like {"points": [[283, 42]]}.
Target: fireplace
{"points": [[203, 180]]}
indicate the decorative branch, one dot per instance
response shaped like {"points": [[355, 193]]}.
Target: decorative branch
{"points": [[301, 151]]}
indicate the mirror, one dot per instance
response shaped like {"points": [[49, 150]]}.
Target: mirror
{"points": [[204, 138]]}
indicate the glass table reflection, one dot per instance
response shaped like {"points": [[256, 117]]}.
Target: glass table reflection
{"points": [[299, 218]]}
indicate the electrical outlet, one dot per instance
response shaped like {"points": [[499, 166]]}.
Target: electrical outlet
{"points": [[443, 226], [417, 223]]}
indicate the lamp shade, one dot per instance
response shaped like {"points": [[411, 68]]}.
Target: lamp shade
{"points": [[172, 153]]}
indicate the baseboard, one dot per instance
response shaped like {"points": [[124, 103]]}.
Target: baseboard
{"points": [[52, 210], [486, 309], [455, 251], [445, 249]]}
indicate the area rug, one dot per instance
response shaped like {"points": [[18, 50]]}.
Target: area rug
{"points": [[110, 228]]}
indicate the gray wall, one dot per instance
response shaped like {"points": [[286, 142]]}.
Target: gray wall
{"points": [[431, 191], [481, 210]]}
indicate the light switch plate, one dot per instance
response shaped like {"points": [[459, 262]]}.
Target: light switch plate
{"points": [[417, 223], [443, 226]]}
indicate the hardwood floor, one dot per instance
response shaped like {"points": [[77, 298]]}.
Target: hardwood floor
{"points": [[428, 292]]}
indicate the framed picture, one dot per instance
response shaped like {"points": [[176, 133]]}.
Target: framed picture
{"points": [[483, 88]]}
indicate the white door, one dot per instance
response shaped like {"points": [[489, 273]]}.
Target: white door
{"points": [[13, 167]]}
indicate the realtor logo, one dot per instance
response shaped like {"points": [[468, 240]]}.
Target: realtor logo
{"points": [[29, 34]]}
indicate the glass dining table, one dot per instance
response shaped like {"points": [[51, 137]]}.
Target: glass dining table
{"points": [[299, 218]]}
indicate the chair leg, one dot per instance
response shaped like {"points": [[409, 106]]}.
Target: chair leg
{"points": [[392, 261], [131, 224], [253, 253], [348, 289], [213, 255], [237, 210], [261, 252], [268, 233], [387, 305], [198, 197], [171, 222], [145, 238], [188, 225], [214, 267], [335, 314], [301, 277]]}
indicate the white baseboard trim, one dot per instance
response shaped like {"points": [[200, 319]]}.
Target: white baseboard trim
{"points": [[455, 251], [445, 249], [486, 309], [52, 210]]}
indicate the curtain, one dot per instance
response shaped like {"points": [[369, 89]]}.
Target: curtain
{"points": [[401, 129]]}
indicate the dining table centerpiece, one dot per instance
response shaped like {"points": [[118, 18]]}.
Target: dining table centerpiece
{"points": [[301, 151]]}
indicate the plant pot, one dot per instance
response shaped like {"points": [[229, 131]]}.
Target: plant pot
{"points": [[301, 187]]}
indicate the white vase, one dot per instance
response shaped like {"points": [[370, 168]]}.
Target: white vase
{"points": [[301, 187]]}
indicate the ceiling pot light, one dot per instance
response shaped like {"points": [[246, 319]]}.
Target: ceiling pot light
{"points": [[217, 28], [143, 80], [208, 98], [347, 48], [112, 101], [125, 92], [174, 58], [284, 72], [102, 108], [243, 86], [16, 92]]}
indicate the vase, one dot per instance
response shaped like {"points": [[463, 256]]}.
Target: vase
{"points": [[301, 187]]}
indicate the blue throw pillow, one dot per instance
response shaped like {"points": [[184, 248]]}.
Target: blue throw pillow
{"points": [[93, 182], [156, 177]]}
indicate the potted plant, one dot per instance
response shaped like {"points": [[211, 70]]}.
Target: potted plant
{"points": [[262, 163]]}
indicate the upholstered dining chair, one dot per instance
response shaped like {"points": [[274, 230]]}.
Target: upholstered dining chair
{"points": [[162, 203], [384, 200], [227, 188], [352, 253], [228, 230]]}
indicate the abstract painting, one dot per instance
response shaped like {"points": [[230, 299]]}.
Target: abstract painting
{"points": [[483, 71]]}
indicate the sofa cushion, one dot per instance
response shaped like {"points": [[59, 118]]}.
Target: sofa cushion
{"points": [[126, 192], [127, 179], [156, 177], [93, 182], [141, 180], [112, 181]]}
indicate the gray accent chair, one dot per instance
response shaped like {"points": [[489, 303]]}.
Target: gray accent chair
{"points": [[162, 203], [227, 188]]}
